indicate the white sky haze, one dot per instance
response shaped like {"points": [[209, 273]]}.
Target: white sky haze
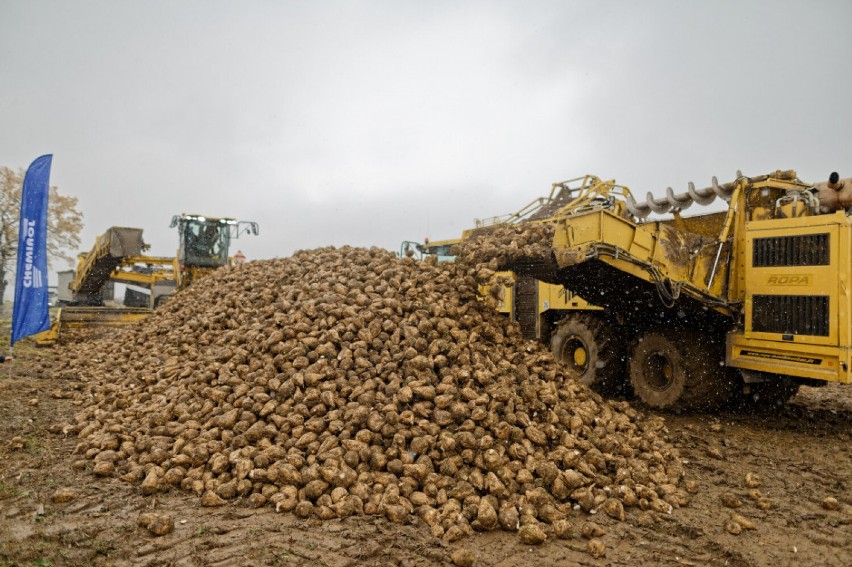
{"points": [[373, 122]]}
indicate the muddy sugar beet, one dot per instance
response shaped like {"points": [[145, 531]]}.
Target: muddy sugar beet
{"points": [[501, 246], [347, 381]]}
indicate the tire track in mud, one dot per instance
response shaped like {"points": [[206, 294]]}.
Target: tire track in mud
{"points": [[269, 539], [801, 453]]}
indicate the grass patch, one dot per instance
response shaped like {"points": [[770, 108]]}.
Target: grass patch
{"points": [[103, 548], [279, 558], [6, 491], [33, 445]]}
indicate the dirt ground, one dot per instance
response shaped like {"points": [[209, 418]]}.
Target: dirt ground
{"points": [[802, 454]]}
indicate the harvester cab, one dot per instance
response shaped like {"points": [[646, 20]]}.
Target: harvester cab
{"points": [[204, 243], [440, 250]]}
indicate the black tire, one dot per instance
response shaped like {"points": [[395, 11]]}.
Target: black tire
{"points": [[680, 370], [593, 351], [770, 394]]}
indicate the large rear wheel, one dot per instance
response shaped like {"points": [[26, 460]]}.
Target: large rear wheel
{"points": [[679, 370], [593, 351]]}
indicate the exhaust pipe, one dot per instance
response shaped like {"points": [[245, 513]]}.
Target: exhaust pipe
{"points": [[835, 194]]}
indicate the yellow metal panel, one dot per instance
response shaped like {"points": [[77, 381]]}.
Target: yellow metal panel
{"points": [[793, 280], [844, 286], [675, 253], [550, 296], [618, 231], [819, 357], [556, 297], [140, 278], [506, 301], [799, 222], [789, 358], [643, 244], [582, 229]]}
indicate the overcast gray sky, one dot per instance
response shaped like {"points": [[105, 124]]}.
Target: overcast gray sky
{"points": [[372, 122]]}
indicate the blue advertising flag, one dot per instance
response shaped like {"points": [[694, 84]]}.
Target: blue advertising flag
{"points": [[29, 315]]}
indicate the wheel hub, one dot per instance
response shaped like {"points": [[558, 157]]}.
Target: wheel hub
{"points": [[580, 356], [660, 372], [575, 355]]}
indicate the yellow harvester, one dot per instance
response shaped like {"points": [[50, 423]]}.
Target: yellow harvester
{"points": [[746, 303], [118, 257], [751, 301]]}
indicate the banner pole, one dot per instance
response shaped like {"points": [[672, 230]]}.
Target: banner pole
{"points": [[30, 313]]}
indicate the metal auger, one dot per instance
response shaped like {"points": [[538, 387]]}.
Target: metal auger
{"points": [[681, 201]]}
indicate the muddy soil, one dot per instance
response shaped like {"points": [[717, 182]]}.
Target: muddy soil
{"points": [[799, 455]]}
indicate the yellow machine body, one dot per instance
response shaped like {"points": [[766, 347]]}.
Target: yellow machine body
{"points": [[798, 308], [778, 271]]}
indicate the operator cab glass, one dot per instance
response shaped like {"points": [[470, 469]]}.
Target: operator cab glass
{"points": [[203, 242], [443, 251]]}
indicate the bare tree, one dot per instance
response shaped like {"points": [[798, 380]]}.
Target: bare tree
{"points": [[64, 223]]}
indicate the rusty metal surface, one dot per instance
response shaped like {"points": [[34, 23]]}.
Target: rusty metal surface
{"points": [[682, 249]]}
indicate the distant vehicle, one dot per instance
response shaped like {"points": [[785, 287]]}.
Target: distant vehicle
{"points": [[87, 293]]}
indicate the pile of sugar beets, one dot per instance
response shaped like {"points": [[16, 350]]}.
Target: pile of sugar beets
{"points": [[344, 381], [504, 245]]}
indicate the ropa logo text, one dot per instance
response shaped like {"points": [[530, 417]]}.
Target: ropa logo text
{"points": [[792, 279]]}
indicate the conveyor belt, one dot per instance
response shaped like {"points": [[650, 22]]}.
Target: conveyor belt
{"points": [[94, 268]]}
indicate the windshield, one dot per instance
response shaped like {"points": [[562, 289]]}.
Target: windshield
{"points": [[443, 252], [204, 242]]}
